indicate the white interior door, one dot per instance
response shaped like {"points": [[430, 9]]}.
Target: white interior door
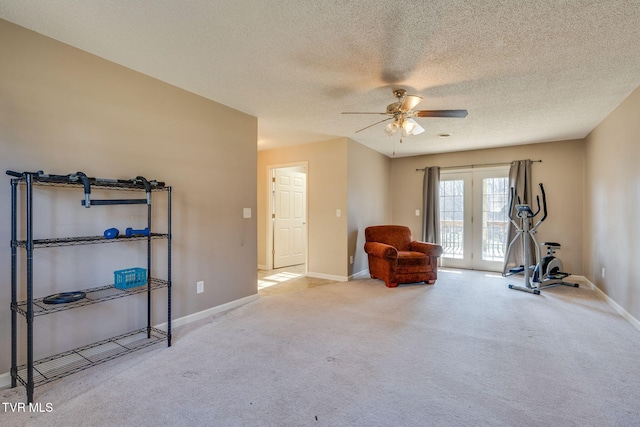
{"points": [[473, 218], [289, 217]]}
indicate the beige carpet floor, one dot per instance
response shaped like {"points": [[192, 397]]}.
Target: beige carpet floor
{"points": [[467, 351]]}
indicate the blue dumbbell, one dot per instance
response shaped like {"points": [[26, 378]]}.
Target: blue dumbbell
{"points": [[131, 232], [111, 233]]}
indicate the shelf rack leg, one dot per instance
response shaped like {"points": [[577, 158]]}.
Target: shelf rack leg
{"points": [[30, 383], [14, 285], [169, 267], [149, 265]]}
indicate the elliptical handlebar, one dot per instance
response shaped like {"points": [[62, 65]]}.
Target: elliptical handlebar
{"points": [[544, 203], [544, 207], [511, 197], [529, 212]]}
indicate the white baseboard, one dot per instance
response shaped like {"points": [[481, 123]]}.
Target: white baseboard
{"points": [[362, 274], [328, 276], [5, 379], [316, 275], [208, 312], [618, 309]]}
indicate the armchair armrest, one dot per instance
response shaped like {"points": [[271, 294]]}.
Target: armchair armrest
{"points": [[429, 249], [380, 250]]}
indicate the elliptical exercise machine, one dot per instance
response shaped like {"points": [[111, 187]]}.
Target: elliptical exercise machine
{"points": [[543, 272]]}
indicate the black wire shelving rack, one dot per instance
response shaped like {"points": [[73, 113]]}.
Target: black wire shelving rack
{"points": [[37, 372]]}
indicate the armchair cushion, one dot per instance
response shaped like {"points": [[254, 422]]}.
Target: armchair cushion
{"points": [[411, 259]]}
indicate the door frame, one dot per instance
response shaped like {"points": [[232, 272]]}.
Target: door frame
{"points": [[472, 258], [466, 177], [269, 218], [478, 263]]}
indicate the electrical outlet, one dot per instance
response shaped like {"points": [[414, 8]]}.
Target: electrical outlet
{"points": [[603, 272], [200, 287], [417, 212], [350, 259]]}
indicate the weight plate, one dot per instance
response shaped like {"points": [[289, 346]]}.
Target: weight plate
{"points": [[64, 297]]}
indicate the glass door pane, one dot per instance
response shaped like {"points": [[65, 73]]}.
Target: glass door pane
{"points": [[491, 198], [495, 198], [455, 212], [452, 218]]}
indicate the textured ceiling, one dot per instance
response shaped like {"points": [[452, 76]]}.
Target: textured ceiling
{"points": [[527, 71]]}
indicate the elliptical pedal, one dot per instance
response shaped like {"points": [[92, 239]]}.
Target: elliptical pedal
{"points": [[558, 276]]}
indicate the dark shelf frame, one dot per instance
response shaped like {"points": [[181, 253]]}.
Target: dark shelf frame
{"points": [[97, 183], [34, 373], [93, 296], [60, 365], [84, 240]]}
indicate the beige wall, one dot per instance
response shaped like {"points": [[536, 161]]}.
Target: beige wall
{"points": [[63, 110], [341, 174], [326, 192], [561, 172], [612, 205], [369, 202]]}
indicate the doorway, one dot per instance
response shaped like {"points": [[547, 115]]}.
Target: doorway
{"points": [[474, 218], [287, 233]]}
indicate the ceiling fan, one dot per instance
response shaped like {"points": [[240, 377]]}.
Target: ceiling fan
{"points": [[402, 113]]}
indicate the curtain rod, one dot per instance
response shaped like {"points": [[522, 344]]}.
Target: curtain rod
{"points": [[484, 165]]}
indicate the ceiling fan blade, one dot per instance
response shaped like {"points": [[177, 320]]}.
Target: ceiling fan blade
{"points": [[363, 113], [409, 102], [441, 113], [384, 120]]}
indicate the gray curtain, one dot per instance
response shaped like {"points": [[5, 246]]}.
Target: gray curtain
{"points": [[520, 181], [431, 205]]}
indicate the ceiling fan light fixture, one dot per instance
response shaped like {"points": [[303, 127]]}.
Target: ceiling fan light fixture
{"points": [[408, 126], [391, 128], [417, 129], [411, 127]]}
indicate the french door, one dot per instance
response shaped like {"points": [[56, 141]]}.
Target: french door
{"points": [[474, 218]]}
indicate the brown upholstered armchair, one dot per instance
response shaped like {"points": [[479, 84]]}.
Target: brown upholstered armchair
{"points": [[395, 258]]}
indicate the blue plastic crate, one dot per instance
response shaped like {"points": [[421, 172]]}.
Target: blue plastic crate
{"points": [[130, 278]]}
